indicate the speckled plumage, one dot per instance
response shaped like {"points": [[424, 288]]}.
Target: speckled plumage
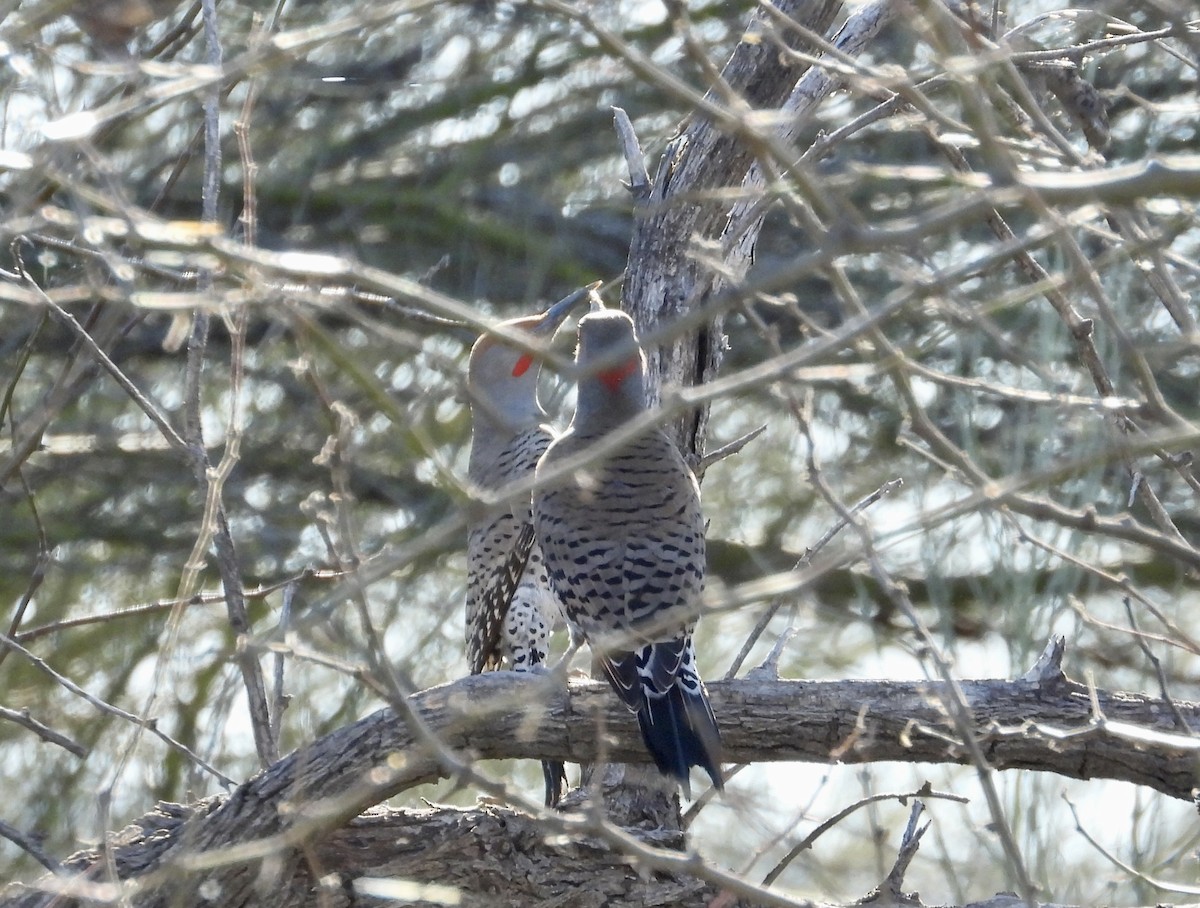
{"points": [[623, 542], [511, 609]]}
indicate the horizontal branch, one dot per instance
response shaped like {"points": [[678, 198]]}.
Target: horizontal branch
{"points": [[495, 857], [1043, 722], [489, 856]]}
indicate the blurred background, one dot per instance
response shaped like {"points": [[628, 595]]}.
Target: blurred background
{"points": [[468, 148]]}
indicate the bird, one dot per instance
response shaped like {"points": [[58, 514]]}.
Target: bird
{"points": [[510, 608], [622, 536]]}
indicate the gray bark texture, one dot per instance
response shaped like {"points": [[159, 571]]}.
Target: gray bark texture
{"points": [[666, 279], [295, 834]]}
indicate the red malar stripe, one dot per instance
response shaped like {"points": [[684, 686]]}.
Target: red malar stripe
{"points": [[612, 378], [522, 365]]}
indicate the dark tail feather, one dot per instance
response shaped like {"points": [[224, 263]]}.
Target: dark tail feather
{"points": [[680, 731], [555, 775]]}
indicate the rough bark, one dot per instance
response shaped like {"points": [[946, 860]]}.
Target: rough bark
{"points": [[493, 856], [289, 813], [680, 211]]}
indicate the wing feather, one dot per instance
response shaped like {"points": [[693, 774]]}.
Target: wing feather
{"points": [[492, 580]]}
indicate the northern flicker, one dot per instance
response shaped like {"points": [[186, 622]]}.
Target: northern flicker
{"points": [[623, 541], [511, 609]]}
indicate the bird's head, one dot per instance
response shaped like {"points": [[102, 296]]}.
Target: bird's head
{"points": [[502, 378], [611, 363]]}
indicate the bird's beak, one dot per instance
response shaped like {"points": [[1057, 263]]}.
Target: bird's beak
{"points": [[557, 314], [595, 304]]}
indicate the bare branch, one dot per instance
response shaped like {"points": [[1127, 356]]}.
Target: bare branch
{"points": [[147, 723], [635, 161], [1046, 726], [25, 720], [29, 845], [807, 842]]}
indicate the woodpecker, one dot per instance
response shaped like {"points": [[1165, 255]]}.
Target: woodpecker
{"points": [[622, 536], [511, 610]]}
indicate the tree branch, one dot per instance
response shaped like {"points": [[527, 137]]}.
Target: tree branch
{"points": [[493, 856], [1043, 722]]}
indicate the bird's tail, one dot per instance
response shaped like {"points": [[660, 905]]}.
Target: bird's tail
{"points": [[555, 775], [554, 772], [660, 683], [680, 731]]}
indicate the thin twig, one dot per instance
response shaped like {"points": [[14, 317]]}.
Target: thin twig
{"points": [[135, 393], [279, 698], [1180, 721], [893, 885], [925, 791], [729, 449], [778, 602], [46, 733], [950, 692], [38, 575], [109, 709], [30, 846], [1183, 888], [165, 605], [215, 526]]}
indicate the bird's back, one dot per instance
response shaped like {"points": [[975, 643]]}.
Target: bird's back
{"points": [[623, 543], [623, 539]]}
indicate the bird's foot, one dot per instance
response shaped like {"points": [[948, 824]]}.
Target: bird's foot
{"points": [[562, 666]]}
